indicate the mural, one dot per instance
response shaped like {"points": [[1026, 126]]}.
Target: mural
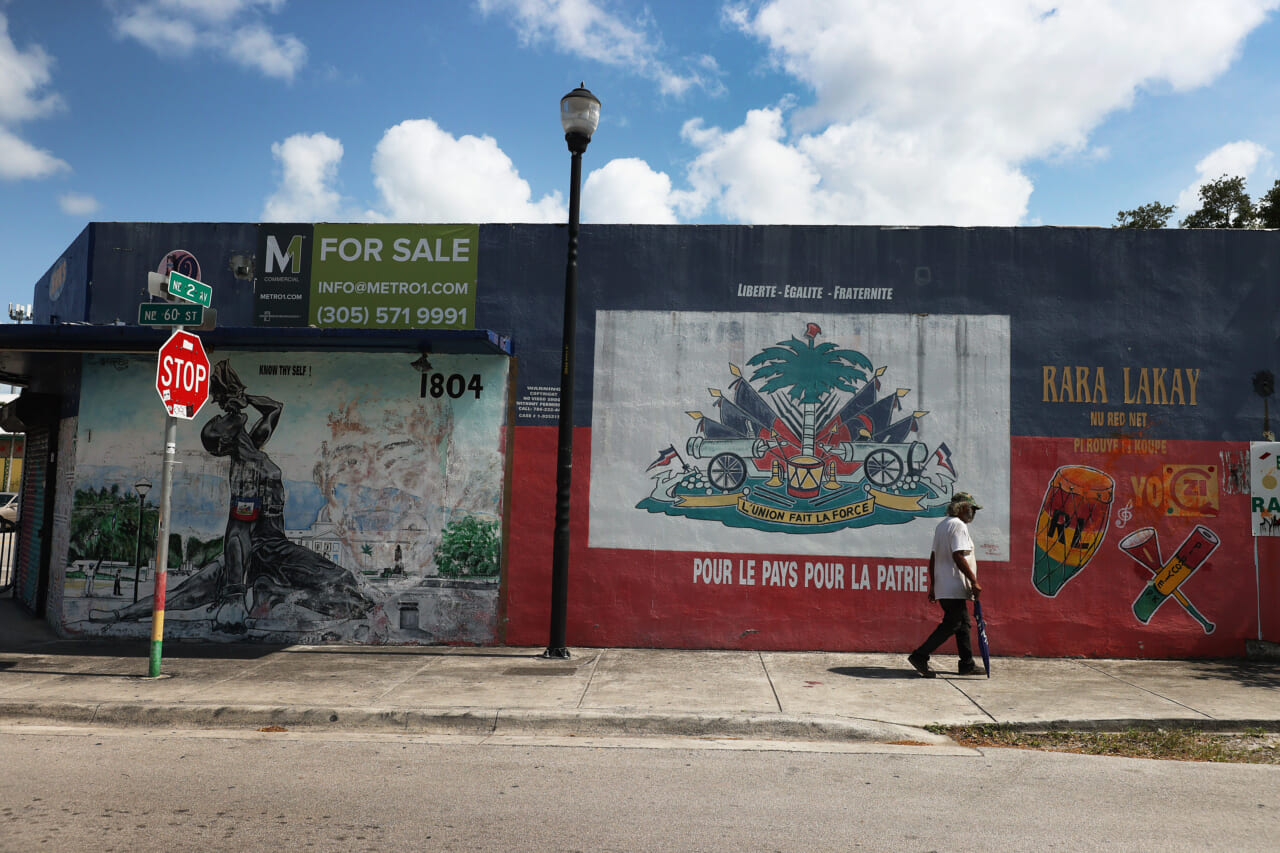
{"points": [[807, 437], [328, 498], [805, 444]]}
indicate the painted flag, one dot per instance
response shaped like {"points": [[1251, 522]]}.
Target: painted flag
{"points": [[664, 458], [864, 397], [897, 433], [943, 457], [982, 635]]}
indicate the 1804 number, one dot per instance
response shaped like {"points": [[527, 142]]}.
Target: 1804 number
{"points": [[454, 385]]}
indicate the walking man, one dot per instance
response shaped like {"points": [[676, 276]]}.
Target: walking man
{"points": [[953, 580]]}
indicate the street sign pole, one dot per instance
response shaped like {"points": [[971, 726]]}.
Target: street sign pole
{"points": [[162, 546], [182, 381]]}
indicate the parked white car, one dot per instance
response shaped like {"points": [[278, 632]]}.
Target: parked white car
{"points": [[8, 510]]}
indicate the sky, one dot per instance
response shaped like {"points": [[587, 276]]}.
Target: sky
{"points": [[858, 112]]}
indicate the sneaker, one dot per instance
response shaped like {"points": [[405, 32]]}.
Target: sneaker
{"points": [[972, 668], [921, 665]]}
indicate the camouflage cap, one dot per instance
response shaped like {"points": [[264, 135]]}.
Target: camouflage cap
{"points": [[966, 498]]}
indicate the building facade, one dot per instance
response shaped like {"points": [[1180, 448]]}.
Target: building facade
{"points": [[769, 422]]}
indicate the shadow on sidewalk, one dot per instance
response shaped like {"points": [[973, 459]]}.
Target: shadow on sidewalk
{"points": [[1248, 673], [875, 671]]}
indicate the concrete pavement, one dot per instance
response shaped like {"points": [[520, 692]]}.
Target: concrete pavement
{"points": [[814, 696]]}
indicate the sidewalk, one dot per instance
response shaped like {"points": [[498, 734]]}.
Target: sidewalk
{"points": [[816, 696]]}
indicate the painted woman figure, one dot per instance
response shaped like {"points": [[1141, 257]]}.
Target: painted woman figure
{"points": [[260, 568], [257, 486], [258, 560]]}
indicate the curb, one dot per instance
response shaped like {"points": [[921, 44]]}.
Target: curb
{"points": [[471, 722], [1124, 724]]}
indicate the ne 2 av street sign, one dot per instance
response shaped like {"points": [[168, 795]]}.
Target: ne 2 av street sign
{"points": [[190, 289]]}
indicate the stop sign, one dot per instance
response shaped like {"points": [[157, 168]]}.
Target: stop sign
{"points": [[182, 375]]}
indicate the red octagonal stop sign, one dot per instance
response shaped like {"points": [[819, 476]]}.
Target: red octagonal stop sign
{"points": [[182, 375]]}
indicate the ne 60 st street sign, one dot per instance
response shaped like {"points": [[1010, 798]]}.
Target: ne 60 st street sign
{"points": [[166, 314], [182, 375]]}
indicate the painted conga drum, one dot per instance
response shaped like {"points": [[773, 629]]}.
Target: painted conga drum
{"points": [[1072, 524], [804, 476]]}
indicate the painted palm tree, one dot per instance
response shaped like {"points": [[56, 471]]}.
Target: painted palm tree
{"points": [[809, 372]]}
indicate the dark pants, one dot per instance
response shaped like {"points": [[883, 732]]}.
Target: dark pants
{"points": [[955, 623]]}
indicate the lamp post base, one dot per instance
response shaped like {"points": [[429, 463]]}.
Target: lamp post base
{"points": [[556, 654]]}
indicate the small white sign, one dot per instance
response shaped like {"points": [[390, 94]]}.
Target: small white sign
{"points": [[1264, 487]]}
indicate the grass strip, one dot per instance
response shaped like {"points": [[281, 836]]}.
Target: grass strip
{"points": [[1252, 746]]}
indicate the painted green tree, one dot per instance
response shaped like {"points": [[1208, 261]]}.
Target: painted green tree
{"points": [[809, 372], [104, 526], [468, 548]]}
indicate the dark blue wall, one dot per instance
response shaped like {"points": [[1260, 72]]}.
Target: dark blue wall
{"points": [[1076, 297]]}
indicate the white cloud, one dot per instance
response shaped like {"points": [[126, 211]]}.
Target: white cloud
{"points": [[1235, 159], [426, 175], [583, 28], [24, 79], [275, 56], [24, 75], [232, 27], [423, 174], [20, 159], [309, 165], [927, 112], [627, 190], [78, 204]]}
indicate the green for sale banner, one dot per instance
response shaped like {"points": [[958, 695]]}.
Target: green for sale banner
{"points": [[394, 276]]}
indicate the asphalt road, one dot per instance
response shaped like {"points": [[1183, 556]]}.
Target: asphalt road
{"points": [[129, 790]]}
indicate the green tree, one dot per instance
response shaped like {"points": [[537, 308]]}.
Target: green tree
{"points": [[1153, 215], [468, 548], [809, 372], [103, 525], [1223, 204], [1269, 208]]}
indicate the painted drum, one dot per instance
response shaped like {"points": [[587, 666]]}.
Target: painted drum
{"points": [[1194, 551], [1072, 524], [804, 476]]}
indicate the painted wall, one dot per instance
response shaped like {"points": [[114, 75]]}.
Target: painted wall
{"points": [[768, 421], [316, 497]]}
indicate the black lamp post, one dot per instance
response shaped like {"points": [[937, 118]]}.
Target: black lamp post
{"points": [[579, 115], [141, 487], [1264, 385]]}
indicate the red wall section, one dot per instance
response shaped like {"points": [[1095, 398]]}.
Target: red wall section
{"points": [[527, 587], [1172, 488], [1269, 584], [671, 599]]}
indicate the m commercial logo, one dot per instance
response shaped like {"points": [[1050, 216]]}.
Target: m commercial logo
{"points": [[290, 259], [283, 281]]}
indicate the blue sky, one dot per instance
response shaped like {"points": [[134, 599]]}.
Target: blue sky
{"points": [[745, 111]]}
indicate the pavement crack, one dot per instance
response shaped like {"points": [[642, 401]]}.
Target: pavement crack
{"points": [[769, 676], [1148, 691], [973, 701], [404, 681], [595, 665]]}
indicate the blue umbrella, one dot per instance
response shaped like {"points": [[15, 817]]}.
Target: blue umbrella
{"points": [[982, 635]]}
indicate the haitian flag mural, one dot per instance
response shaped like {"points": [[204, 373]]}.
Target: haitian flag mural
{"points": [[814, 432], [810, 445]]}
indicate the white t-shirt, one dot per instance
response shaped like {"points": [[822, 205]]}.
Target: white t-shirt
{"points": [[949, 536]]}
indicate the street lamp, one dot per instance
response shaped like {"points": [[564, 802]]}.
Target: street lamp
{"points": [[579, 115], [141, 487], [1264, 385]]}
